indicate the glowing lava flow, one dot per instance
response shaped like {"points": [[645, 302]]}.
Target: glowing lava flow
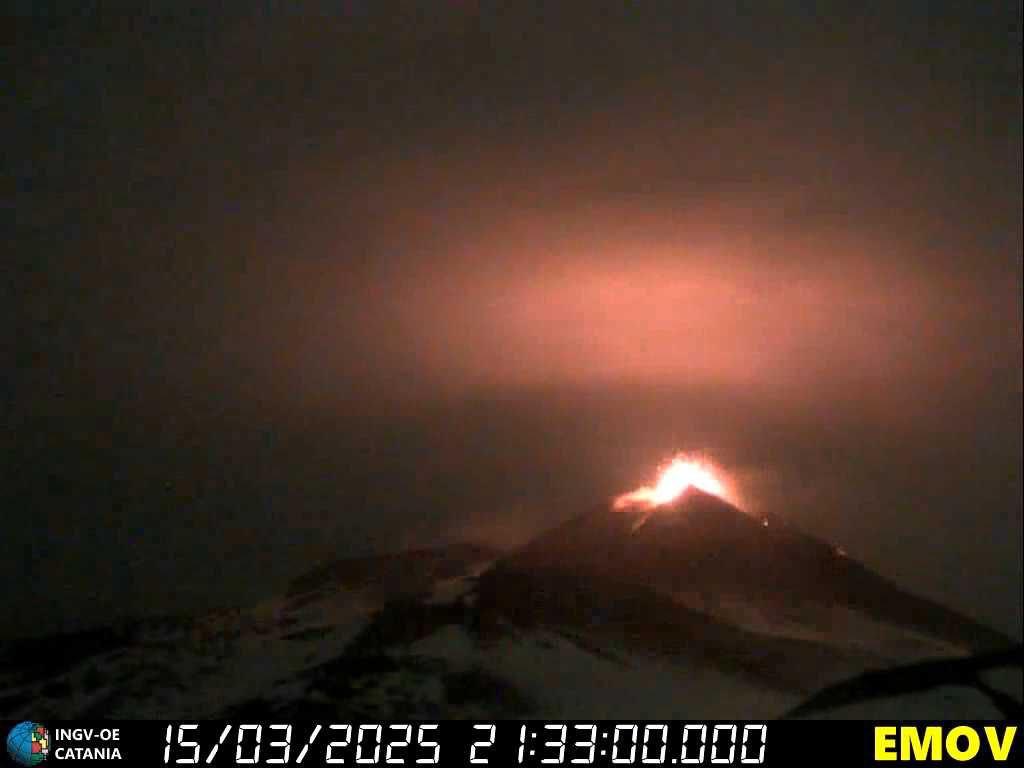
{"points": [[673, 480]]}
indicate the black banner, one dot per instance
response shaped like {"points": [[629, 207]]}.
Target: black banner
{"points": [[463, 744]]}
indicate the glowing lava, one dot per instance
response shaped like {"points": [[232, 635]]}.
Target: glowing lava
{"points": [[674, 478]]}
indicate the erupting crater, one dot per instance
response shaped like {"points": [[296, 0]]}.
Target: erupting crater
{"points": [[675, 477]]}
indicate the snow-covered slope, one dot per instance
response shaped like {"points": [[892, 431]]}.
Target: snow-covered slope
{"points": [[699, 611]]}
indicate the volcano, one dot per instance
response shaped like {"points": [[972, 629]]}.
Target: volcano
{"points": [[702, 552], [692, 608]]}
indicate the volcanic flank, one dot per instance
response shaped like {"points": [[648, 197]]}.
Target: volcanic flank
{"points": [[701, 551], [667, 602]]}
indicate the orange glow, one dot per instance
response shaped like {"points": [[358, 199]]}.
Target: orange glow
{"points": [[675, 477]]}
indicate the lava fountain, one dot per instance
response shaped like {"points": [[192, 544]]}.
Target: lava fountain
{"points": [[674, 478]]}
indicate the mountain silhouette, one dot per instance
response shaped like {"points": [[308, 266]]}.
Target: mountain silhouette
{"points": [[693, 608]]}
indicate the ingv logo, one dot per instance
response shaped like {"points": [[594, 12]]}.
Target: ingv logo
{"points": [[961, 742]]}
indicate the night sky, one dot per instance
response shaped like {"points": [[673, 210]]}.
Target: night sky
{"points": [[296, 285]]}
